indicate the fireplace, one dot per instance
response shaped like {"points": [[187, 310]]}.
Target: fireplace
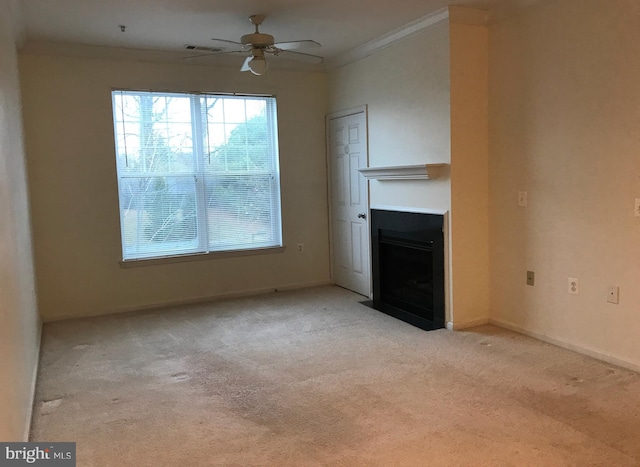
{"points": [[408, 266]]}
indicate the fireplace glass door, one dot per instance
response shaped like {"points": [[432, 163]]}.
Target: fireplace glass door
{"points": [[406, 268]]}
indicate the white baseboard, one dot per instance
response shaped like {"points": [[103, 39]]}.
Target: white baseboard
{"points": [[598, 355], [195, 300], [304, 286], [467, 324], [32, 388]]}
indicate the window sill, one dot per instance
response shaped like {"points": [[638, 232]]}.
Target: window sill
{"points": [[134, 263]]}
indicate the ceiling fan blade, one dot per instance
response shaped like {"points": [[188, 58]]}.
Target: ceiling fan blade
{"points": [[190, 57], [226, 43], [291, 45], [245, 65], [301, 57]]}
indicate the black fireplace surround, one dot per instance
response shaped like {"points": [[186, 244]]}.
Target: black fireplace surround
{"points": [[408, 266]]}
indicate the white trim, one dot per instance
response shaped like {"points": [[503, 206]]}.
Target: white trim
{"points": [[197, 300], [403, 172], [448, 289], [175, 57], [470, 16], [452, 14], [386, 40], [467, 324], [32, 389], [157, 260], [383, 207], [598, 355], [364, 109], [346, 113], [17, 22]]}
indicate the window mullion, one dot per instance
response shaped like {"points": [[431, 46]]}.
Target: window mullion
{"points": [[272, 142], [197, 127]]}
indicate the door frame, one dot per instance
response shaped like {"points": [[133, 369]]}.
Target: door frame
{"points": [[332, 116]]}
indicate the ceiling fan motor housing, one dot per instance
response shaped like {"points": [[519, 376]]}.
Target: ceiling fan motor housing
{"points": [[257, 40]]}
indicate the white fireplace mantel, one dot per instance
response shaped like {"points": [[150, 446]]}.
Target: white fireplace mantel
{"points": [[403, 172]]}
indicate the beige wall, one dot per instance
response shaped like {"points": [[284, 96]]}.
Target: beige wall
{"points": [[469, 174], [19, 324], [427, 102], [406, 89], [69, 128], [565, 126]]}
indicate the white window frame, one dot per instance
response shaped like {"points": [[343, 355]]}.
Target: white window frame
{"points": [[200, 152]]}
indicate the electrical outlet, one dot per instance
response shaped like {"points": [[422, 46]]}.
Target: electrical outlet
{"points": [[522, 198], [300, 247], [574, 285], [613, 294], [531, 278], [636, 210]]}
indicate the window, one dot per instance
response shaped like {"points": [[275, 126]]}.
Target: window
{"points": [[197, 173]]}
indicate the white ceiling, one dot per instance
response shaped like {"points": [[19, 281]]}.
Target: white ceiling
{"points": [[168, 25]]}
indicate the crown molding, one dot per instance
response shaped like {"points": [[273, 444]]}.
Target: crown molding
{"points": [[176, 57], [17, 22], [421, 24], [469, 16], [451, 14], [75, 50]]}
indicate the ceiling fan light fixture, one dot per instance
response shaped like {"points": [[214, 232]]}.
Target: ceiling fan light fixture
{"points": [[258, 65]]}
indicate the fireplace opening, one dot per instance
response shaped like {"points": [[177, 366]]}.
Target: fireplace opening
{"points": [[408, 266], [405, 282]]}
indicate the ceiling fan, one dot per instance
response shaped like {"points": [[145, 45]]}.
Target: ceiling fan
{"points": [[258, 45]]}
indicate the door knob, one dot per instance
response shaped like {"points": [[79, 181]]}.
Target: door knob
{"points": [[362, 215]]}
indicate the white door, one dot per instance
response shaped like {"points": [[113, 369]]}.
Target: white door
{"points": [[350, 263]]}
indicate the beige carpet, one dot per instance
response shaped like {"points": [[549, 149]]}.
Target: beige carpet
{"points": [[311, 377]]}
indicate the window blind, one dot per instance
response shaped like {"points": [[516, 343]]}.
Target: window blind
{"points": [[196, 173]]}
